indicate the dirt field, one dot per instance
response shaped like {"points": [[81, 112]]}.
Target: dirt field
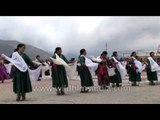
{"points": [[43, 93]]}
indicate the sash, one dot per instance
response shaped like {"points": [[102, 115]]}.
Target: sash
{"points": [[20, 64], [70, 68], [139, 65], [120, 68], [154, 65], [91, 65], [17, 61], [95, 59]]}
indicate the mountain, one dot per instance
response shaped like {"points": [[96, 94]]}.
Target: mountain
{"points": [[7, 47]]}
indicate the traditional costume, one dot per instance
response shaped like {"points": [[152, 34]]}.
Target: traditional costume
{"points": [[59, 76], [103, 77], [152, 70], [85, 72], [3, 72], [120, 72], [134, 69], [22, 74]]}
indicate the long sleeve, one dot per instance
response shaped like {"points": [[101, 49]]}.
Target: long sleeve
{"points": [[82, 60], [28, 60], [149, 64], [64, 58]]}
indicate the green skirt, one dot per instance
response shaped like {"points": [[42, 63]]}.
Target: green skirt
{"points": [[152, 76], [86, 77], [116, 78], [21, 82], [59, 77], [134, 76]]}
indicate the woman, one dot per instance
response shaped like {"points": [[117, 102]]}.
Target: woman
{"points": [[134, 69], [21, 80], [151, 73], [116, 79], [3, 71], [85, 75], [103, 77], [59, 76]]}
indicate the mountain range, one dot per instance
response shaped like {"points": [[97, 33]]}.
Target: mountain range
{"points": [[7, 47]]}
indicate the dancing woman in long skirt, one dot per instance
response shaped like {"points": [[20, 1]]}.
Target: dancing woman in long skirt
{"points": [[103, 77], [151, 74], [59, 77], [85, 75], [3, 72], [21, 78], [133, 70], [116, 79]]}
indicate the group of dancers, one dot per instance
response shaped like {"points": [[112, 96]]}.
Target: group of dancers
{"points": [[109, 71]]}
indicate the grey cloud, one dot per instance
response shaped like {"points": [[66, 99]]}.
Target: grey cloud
{"points": [[121, 34]]}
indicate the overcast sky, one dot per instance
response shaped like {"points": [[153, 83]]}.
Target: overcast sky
{"points": [[73, 33]]}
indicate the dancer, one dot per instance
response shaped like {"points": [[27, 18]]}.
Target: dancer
{"points": [[134, 69], [116, 79], [3, 72], [59, 77], [85, 75], [152, 67], [21, 78], [103, 77]]}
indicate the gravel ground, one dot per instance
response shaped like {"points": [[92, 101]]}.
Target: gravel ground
{"points": [[43, 93]]}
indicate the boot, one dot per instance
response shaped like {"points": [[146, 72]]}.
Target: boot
{"points": [[23, 96], [18, 97]]}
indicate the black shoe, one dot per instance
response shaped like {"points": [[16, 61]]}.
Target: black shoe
{"points": [[2, 81], [152, 83], [86, 91], [58, 93], [23, 97], [113, 85], [118, 85], [83, 90], [106, 87], [18, 97], [62, 92], [39, 80], [134, 84]]}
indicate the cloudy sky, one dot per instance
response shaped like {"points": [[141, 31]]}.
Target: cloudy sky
{"points": [[73, 33]]}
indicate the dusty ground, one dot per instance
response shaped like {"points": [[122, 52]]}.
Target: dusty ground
{"points": [[43, 93]]}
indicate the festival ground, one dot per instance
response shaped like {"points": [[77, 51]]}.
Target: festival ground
{"points": [[43, 93]]}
